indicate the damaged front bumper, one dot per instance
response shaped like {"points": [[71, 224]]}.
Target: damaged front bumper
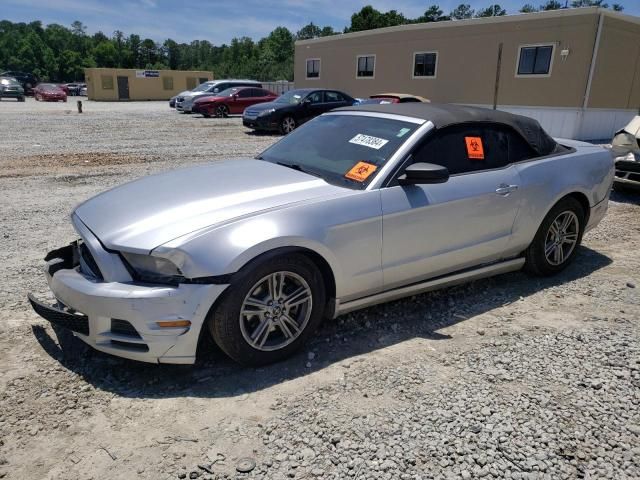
{"points": [[627, 173], [119, 316]]}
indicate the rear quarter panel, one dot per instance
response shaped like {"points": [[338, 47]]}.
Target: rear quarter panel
{"points": [[588, 169]]}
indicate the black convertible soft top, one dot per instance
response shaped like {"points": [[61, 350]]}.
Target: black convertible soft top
{"points": [[443, 115]]}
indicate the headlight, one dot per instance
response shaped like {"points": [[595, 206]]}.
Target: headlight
{"points": [[147, 268], [264, 113]]}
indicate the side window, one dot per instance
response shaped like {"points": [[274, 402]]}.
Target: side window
{"points": [[315, 97], [246, 93], [464, 148], [333, 97]]}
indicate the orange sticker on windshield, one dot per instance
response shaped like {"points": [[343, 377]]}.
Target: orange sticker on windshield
{"points": [[474, 148], [361, 171]]}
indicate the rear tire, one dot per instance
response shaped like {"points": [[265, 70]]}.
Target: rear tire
{"points": [[287, 125], [557, 240], [270, 310]]}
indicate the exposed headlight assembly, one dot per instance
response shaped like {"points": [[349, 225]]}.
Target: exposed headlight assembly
{"points": [[264, 113], [150, 269]]}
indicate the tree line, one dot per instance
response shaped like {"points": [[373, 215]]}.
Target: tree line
{"points": [[58, 53]]}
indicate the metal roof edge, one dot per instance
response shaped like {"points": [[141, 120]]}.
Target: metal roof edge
{"points": [[518, 17]]}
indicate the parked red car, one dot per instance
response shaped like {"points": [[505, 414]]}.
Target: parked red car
{"points": [[231, 100], [49, 92]]}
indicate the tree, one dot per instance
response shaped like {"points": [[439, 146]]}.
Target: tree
{"points": [[327, 31], [172, 53], [528, 8], [462, 12], [308, 31], [551, 5], [105, 54], [118, 40], [589, 3], [494, 10], [432, 14], [616, 7], [369, 18]]}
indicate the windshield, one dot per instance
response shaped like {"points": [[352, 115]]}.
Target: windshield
{"points": [[292, 96], [202, 87], [344, 150]]}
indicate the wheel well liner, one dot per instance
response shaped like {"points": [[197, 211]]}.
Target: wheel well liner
{"points": [[584, 202]]}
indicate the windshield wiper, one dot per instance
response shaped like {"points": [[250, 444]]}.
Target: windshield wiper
{"points": [[299, 168]]}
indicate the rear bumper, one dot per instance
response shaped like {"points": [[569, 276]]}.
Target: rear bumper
{"points": [[87, 306], [597, 213]]}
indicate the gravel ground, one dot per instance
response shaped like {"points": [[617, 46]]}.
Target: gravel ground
{"points": [[510, 377]]}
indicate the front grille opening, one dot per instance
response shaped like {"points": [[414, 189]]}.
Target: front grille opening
{"points": [[140, 347], [122, 327]]}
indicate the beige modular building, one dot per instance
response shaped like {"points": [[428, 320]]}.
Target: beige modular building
{"points": [[119, 84], [575, 70]]}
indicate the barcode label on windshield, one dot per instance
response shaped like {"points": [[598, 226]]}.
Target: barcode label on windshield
{"points": [[369, 141]]}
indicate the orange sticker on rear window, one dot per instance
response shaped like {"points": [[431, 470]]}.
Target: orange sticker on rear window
{"points": [[474, 148], [361, 171]]}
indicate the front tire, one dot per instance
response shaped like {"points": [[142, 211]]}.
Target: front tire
{"points": [[222, 111], [287, 125], [557, 240], [270, 310]]}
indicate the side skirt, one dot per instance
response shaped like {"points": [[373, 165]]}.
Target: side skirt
{"points": [[429, 285]]}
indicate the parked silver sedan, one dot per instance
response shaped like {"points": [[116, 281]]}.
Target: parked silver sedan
{"points": [[360, 206]]}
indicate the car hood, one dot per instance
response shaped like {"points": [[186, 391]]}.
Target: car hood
{"points": [[259, 107], [146, 213]]}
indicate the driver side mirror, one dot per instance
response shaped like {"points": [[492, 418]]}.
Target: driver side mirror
{"points": [[424, 173], [235, 96], [306, 102]]}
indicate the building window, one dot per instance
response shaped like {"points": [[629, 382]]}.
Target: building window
{"points": [[167, 83], [107, 82], [366, 66], [191, 83], [424, 64], [313, 68], [535, 60]]}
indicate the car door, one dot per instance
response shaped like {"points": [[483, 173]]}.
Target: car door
{"points": [[312, 106], [434, 229], [241, 100], [334, 100]]}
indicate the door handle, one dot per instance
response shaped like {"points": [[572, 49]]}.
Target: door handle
{"points": [[504, 189]]}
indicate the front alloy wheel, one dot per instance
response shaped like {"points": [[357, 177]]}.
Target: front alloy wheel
{"points": [[287, 125], [276, 311], [271, 308], [222, 111]]}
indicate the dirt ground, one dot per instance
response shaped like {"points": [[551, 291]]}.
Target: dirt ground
{"points": [[510, 377]]}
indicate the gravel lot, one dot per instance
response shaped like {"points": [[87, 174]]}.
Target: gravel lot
{"points": [[510, 377]]}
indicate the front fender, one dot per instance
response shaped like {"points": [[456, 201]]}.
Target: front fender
{"points": [[346, 232]]}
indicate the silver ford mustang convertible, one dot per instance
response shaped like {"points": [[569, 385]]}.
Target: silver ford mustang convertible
{"points": [[360, 206]]}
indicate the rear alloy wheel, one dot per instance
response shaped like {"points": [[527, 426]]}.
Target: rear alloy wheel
{"points": [[287, 125], [557, 239], [222, 111], [270, 310]]}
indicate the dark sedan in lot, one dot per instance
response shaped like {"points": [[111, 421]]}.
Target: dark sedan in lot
{"points": [[10, 88], [294, 108], [231, 100], [27, 80]]}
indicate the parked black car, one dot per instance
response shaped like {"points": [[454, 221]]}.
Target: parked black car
{"points": [[27, 80], [294, 108]]}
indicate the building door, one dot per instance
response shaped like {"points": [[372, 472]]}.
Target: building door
{"points": [[123, 88]]}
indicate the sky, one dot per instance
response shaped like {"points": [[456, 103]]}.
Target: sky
{"points": [[220, 21]]}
